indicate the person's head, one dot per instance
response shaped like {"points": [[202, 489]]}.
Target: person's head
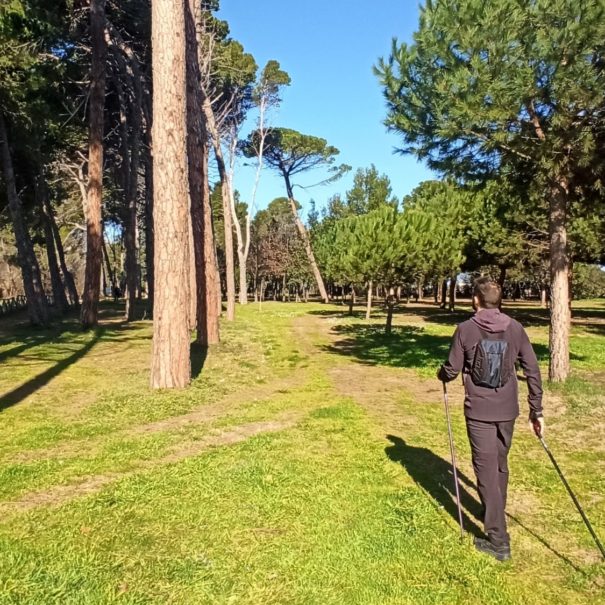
{"points": [[487, 294]]}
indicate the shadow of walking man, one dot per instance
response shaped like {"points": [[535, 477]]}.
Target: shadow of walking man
{"points": [[435, 476]]}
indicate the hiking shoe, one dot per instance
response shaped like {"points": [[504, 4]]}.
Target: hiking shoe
{"points": [[501, 553]]}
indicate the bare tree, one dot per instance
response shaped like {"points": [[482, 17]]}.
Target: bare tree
{"points": [[266, 97]]}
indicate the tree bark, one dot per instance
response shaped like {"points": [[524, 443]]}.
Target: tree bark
{"points": [[129, 69], [369, 302], [420, 296], [171, 364], [452, 294], [390, 304], [307, 244], [58, 288], [242, 246], [198, 175], [243, 276], [226, 199], [502, 276], [132, 268], [108, 269], [70, 284], [228, 223], [149, 231], [28, 263], [90, 298], [352, 300], [214, 301], [443, 294], [560, 316]]}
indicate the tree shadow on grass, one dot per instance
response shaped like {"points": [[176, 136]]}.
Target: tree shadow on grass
{"points": [[20, 348], [436, 477], [198, 354], [32, 385], [407, 347], [598, 329]]}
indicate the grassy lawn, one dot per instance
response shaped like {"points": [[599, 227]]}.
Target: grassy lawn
{"points": [[307, 464]]}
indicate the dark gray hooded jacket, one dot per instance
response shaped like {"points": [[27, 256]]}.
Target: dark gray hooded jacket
{"points": [[493, 405]]}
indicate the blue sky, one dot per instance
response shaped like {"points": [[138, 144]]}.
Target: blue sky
{"points": [[328, 47]]}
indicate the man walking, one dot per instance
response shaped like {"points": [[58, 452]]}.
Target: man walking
{"points": [[485, 349]]}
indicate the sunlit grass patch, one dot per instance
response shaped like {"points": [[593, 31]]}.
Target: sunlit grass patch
{"points": [[268, 482]]}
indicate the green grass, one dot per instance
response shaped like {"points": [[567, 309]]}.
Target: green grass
{"points": [[339, 500]]}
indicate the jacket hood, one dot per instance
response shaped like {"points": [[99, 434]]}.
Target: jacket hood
{"points": [[491, 320]]}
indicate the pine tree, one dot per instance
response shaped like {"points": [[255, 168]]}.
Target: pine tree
{"points": [[94, 229], [171, 365], [289, 153], [507, 87]]}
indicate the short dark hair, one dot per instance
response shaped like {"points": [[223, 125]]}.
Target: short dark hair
{"points": [[488, 292]]}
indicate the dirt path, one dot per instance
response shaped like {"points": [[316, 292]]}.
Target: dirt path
{"points": [[83, 486], [204, 415], [394, 397]]}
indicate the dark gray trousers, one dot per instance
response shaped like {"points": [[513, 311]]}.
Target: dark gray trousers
{"points": [[490, 444]]}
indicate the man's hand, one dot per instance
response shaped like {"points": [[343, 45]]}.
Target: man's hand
{"points": [[538, 426]]}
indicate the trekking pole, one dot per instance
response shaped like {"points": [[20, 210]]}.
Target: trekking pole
{"points": [[573, 497], [453, 454]]}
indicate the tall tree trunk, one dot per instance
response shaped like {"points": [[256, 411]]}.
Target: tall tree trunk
{"points": [[307, 244], [242, 246], [502, 276], [452, 294], [443, 294], [70, 284], [369, 302], [243, 276], [214, 301], [226, 199], [90, 298], [420, 296], [131, 120], [390, 304], [198, 167], [108, 269], [132, 269], [149, 231], [171, 363], [192, 268], [58, 288], [228, 223], [352, 300], [543, 302], [125, 173], [570, 285], [560, 316], [30, 269]]}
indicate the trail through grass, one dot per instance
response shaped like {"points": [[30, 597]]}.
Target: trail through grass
{"points": [[307, 464]]}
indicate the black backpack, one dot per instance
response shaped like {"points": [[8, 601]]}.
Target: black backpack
{"points": [[492, 365]]}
